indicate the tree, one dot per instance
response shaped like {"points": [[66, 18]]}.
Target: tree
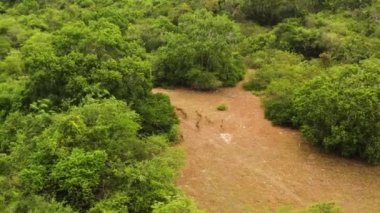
{"points": [[157, 114], [201, 55], [340, 112], [86, 155]]}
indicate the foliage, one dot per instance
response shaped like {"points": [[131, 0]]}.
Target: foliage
{"points": [[10, 97], [80, 129], [270, 64], [157, 114], [329, 90], [81, 157], [176, 204], [291, 36], [36, 204], [68, 139], [272, 12], [67, 79], [201, 55], [340, 111]]}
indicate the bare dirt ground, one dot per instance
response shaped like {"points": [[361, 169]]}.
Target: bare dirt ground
{"points": [[237, 161]]}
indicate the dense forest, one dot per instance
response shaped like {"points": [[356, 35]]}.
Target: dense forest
{"points": [[81, 131]]}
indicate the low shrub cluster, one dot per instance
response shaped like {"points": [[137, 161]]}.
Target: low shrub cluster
{"points": [[320, 73]]}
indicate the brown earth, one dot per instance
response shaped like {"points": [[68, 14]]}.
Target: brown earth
{"points": [[237, 161]]}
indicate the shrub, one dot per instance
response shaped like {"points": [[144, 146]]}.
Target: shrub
{"points": [[152, 32], [271, 64], [157, 114], [354, 48], [269, 56], [292, 36], [201, 55], [278, 75], [10, 97], [33, 203], [323, 208], [174, 134], [176, 204], [222, 107], [346, 4], [271, 12], [256, 43], [340, 112], [5, 46], [278, 102], [74, 156], [203, 80]]}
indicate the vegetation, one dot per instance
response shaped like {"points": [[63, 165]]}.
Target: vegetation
{"points": [[81, 131], [201, 55], [319, 72], [222, 107]]}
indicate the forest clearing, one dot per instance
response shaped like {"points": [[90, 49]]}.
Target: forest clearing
{"points": [[146, 106], [262, 166]]}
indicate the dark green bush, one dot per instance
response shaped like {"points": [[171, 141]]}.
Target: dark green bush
{"points": [[292, 36], [355, 48], [69, 78], [34, 203], [346, 4], [157, 114], [5, 46], [78, 157], [201, 55], [10, 97], [70, 74], [152, 32], [203, 80], [256, 43], [271, 12], [177, 204], [340, 112], [278, 102]]}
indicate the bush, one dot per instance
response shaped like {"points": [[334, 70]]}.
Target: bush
{"points": [[278, 75], [271, 64], [256, 43], [346, 4], [292, 36], [201, 55], [203, 80], [354, 48], [152, 32], [74, 157], [10, 97], [34, 203], [222, 107], [179, 204], [157, 114], [278, 102], [271, 12], [323, 208], [340, 112]]}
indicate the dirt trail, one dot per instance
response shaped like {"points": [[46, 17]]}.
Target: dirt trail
{"points": [[238, 162]]}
